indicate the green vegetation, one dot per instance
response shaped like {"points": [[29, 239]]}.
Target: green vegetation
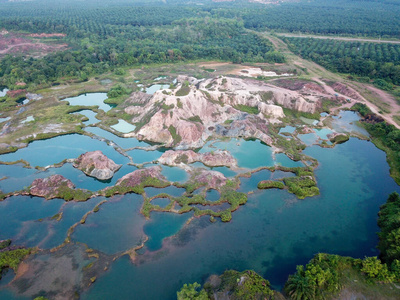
{"points": [[68, 194], [302, 186], [246, 108], [340, 138], [117, 91], [246, 285], [195, 119], [389, 236], [190, 291], [184, 90], [175, 136], [4, 244], [385, 136], [11, 258], [270, 184], [379, 61]]}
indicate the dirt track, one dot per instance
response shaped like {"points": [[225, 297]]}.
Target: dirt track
{"points": [[349, 39]]}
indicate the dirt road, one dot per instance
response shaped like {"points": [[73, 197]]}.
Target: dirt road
{"points": [[348, 39]]}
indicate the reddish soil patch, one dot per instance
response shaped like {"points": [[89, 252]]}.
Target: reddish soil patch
{"points": [[293, 85], [12, 43], [16, 93]]}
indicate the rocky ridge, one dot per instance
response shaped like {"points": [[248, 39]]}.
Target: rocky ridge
{"points": [[211, 159], [222, 106], [96, 164]]}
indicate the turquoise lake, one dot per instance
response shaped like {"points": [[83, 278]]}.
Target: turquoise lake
{"points": [[272, 233]]}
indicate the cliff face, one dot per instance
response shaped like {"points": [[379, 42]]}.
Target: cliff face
{"points": [[197, 109], [97, 165]]}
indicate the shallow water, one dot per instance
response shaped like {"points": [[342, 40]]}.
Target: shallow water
{"points": [[155, 87], [249, 154], [116, 227], [288, 129], [140, 156], [346, 122], [90, 99], [125, 143], [123, 126], [51, 151], [91, 115], [162, 225], [174, 174]]}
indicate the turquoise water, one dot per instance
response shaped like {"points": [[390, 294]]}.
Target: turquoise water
{"points": [[265, 234], [116, 227], [91, 115], [140, 156], [123, 126], [308, 138], [212, 195], [57, 149], [90, 99], [72, 213], [173, 174], [22, 210], [323, 133], [224, 170], [249, 154], [162, 225], [171, 190], [124, 143], [288, 129], [20, 177], [346, 122], [155, 87], [283, 160], [162, 202]]}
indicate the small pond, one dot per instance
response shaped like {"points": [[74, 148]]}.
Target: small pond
{"points": [[90, 99]]}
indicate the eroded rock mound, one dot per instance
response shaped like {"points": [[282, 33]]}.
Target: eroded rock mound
{"points": [[97, 165], [211, 179], [212, 159], [140, 176], [185, 116], [50, 187]]}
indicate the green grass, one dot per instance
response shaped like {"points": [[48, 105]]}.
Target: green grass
{"points": [[183, 91], [247, 109], [269, 184]]}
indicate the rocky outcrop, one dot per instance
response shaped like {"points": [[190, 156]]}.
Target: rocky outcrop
{"points": [[271, 111], [50, 187], [138, 177], [212, 159], [187, 120], [96, 164], [345, 90], [211, 179]]}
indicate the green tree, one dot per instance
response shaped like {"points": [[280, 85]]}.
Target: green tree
{"points": [[190, 291]]}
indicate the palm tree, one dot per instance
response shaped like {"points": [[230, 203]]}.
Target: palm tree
{"points": [[299, 286]]}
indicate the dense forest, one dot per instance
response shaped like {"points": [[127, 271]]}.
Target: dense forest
{"points": [[102, 36], [371, 60]]}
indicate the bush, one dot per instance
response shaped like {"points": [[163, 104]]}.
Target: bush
{"points": [[269, 184]]}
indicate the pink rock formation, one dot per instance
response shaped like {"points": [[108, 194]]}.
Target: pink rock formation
{"points": [[97, 165], [211, 179], [212, 159], [49, 187], [136, 177]]}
